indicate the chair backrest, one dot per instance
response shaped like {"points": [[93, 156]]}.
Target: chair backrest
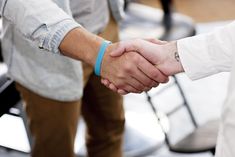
{"points": [[174, 110], [1, 58]]}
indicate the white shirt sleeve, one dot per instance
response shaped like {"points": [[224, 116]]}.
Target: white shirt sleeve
{"points": [[208, 54], [41, 21]]}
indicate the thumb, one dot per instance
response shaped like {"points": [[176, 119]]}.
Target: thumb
{"points": [[118, 50], [124, 46]]}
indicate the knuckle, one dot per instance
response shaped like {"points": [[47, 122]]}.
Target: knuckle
{"points": [[135, 58], [140, 60], [121, 75], [122, 93], [119, 84], [154, 73], [128, 68], [122, 85]]}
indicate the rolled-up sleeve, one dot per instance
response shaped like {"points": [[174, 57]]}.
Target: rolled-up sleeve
{"points": [[208, 54], [41, 21]]}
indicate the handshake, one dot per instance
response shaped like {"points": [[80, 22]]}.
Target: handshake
{"points": [[138, 65]]}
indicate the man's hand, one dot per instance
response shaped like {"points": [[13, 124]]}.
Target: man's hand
{"points": [[164, 55], [161, 54], [130, 71]]}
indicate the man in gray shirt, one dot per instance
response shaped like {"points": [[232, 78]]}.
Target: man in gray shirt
{"points": [[51, 84]]}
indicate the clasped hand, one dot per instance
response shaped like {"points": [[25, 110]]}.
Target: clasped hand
{"points": [[138, 65]]}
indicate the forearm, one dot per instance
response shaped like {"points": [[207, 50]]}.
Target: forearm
{"points": [[201, 55], [208, 54], [81, 45]]}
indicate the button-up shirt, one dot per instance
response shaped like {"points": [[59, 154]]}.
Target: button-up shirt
{"points": [[32, 33], [208, 54]]}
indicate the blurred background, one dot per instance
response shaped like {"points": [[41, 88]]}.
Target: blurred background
{"points": [[162, 122], [201, 10]]}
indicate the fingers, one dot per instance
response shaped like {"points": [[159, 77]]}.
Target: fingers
{"points": [[130, 72], [136, 84], [152, 72], [122, 92], [141, 79], [132, 86], [112, 87], [129, 88], [105, 82], [145, 80]]}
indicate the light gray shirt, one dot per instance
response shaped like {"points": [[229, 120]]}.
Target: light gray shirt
{"points": [[32, 32]]}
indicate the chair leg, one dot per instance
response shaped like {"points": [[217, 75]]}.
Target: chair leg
{"points": [[126, 2], [167, 18], [212, 151], [166, 6]]}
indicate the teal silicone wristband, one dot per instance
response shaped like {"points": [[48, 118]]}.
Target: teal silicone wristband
{"points": [[100, 56]]}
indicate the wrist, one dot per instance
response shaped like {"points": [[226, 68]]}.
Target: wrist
{"points": [[107, 60], [178, 68], [100, 55], [172, 63]]}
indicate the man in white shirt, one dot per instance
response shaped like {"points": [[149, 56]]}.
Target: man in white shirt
{"points": [[198, 56]]}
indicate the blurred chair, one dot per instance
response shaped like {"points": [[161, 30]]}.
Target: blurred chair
{"points": [[169, 25], [147, 22], [202, 139], [1, 58], [176, 26]]}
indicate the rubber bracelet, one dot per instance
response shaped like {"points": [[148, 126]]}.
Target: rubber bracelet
{"points": [[100, 56]]}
